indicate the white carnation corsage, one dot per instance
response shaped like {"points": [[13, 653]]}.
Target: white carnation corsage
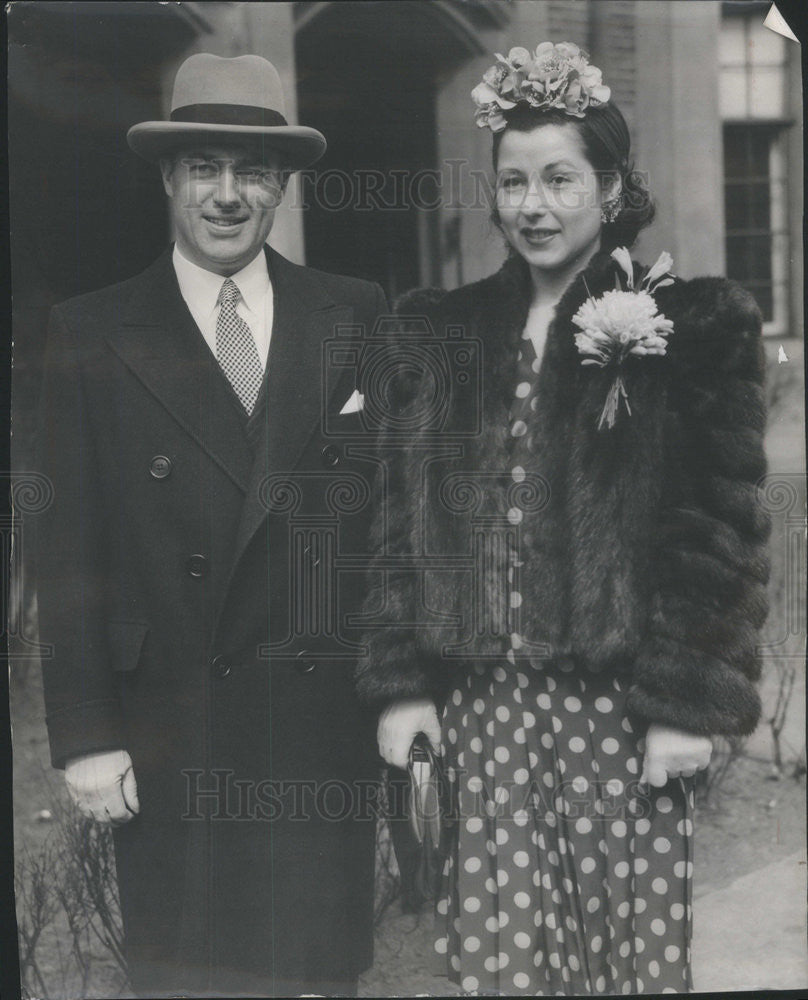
{"points": [[623, 322]]}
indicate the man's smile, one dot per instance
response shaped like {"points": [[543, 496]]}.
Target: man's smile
{"points": [[225, 221]]}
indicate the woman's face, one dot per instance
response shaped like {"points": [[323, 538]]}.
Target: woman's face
{"points": [[549, 199]]}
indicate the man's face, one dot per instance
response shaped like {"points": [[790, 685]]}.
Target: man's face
{"points": [[223, 200]]}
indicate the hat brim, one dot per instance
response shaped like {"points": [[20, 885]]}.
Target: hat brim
{"points": [[300, 144]]}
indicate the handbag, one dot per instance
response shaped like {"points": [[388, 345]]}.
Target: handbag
{"points": [[420, 836]]}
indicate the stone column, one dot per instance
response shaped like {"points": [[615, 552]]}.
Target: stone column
{"points": [[269, 31], [678, 134]]}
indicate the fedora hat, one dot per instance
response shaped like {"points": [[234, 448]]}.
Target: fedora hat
{"points": [[217, 99]]}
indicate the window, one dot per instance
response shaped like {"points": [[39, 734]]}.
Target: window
{"points": [[756, 223], [754, 103], [752, 59]]}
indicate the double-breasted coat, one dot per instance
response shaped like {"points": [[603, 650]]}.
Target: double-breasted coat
{"points": [[196, 571]]}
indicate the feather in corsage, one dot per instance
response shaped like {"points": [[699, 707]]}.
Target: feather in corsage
{"points": [[624, 322]]}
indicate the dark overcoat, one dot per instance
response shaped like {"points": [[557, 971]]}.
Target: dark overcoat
{"points": [[643, 546], [193, 583]]}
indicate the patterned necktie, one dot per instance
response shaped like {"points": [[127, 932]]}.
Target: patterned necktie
{"points": [[235, 348]]}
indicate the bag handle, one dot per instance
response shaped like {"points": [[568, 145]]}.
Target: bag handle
{"points": [[426, 780]]}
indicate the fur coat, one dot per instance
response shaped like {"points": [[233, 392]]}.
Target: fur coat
{"points": [[641, 549]]}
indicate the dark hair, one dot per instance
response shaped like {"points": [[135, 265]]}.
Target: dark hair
{"points": [[607, 144]]}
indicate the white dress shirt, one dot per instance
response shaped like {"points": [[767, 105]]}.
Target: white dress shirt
{"points": [[200, 289]]}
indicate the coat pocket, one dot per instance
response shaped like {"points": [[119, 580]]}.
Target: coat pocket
{"points": [[125, 644]]}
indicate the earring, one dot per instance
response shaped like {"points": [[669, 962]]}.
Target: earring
{"points": [[610, 210]]}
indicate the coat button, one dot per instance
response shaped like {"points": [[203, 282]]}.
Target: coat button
{"points": [[197, 565], [160, 467], [303, 663], [330, 455], [220, 666]]}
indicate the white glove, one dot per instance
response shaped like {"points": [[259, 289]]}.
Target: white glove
{"points": [[102, 786], [401, 722], [671, 752]]}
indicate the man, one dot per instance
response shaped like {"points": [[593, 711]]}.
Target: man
{"points": [[196, 704]]}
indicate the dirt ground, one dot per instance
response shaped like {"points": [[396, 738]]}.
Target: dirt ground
{"points": [[753, 821]]}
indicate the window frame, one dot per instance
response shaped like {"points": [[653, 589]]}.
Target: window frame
{"points": [[778, 227]]}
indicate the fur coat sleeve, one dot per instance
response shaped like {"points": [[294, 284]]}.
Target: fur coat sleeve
{"points": [[653, 562], [697, 664]]}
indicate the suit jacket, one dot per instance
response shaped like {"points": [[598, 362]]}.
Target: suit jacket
{"points": [[643, 547], [195, 581]]}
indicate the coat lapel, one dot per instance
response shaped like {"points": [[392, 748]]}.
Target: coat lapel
{"points": [[500, 321], [158, 340], [306, 315], [292, 408]]}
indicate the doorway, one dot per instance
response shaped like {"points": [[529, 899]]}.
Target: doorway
{"points": [[367, 78]]}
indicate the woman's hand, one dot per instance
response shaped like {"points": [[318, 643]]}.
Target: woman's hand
{"points": [[401, 722], [671, 752]]}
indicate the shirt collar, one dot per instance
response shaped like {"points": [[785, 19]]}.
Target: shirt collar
{"points": [[203, 287]]}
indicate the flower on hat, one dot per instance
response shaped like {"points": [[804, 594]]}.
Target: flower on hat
{"points": [[554, 76]]}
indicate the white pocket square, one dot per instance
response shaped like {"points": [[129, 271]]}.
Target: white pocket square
{"points": [[354, 404]]}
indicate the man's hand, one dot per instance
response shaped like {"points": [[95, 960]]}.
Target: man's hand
{"points": [[673, 752], [401, 722], [102, 785]]}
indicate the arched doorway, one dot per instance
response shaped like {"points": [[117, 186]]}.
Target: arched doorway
{"points": [[367, 78]]}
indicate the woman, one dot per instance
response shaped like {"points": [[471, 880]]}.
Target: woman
{"points": [[586, 558]]}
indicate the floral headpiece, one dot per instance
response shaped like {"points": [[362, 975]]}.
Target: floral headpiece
{"points": [[554, 76]]}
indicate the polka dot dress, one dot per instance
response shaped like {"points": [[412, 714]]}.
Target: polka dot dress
{"points": [[564, 876]]}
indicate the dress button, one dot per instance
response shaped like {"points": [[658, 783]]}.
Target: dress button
{"points": [[160, 467], [330, 455], [303, 662], [220, 666], [197, 565]]}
